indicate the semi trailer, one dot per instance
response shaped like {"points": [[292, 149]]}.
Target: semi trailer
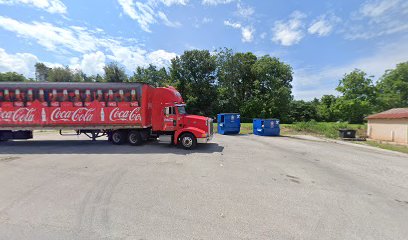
{"points": [[123, 112]]}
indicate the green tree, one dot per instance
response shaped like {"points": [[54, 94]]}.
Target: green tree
{"points": [[151, 75], [303, 111], [393, 87], [60, 74], [41, 72], [99, 78], [235, 79], [12, 77], [193, 74], [272, 90], [114, 73], [358, 97], [326, 110], [78, 76]]}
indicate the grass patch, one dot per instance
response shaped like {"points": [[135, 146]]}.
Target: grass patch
{"points": [[246, 128], [330, 130], [327, 129], [392, 147]]}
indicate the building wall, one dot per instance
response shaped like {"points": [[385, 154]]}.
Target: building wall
{"points": [[393, 130]]}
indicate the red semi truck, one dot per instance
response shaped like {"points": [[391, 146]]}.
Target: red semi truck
{"points": [[123, 112]]}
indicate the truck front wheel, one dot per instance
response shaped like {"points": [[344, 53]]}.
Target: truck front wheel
{"points": [[118, 137], [135, 138], [188, 141]]}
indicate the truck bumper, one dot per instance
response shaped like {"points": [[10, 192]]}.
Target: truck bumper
{"points": [[204, 140]]}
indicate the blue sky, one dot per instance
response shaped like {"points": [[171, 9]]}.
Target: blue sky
{"points": [[321, 40]]}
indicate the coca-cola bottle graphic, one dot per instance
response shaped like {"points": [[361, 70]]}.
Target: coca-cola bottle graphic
{"points": [[54, 95], [30, 95], [41, 98], [6, 95], [41, 95], [110, 94], [87, 95], [121, 95], [133, 95], [43, 115], [17, 94], [65, 97], [102, 115]]}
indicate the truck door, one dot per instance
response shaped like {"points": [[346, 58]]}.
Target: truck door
{"points": [[170, 119]]}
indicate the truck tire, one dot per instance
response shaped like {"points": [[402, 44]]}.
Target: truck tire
{"points": [[119, 137], [135, 138], [188, 141]]}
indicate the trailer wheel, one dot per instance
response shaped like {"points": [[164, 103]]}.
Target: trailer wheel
{"points": [[188, 141], [118, 137], [135, 138]]}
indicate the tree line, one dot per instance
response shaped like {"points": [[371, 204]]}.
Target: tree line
{"points": [[227, 81]]}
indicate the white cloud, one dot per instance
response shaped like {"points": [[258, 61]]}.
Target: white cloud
{"points": [[232, 24], [174, 2], [94, 45], [323, 25], [22, 63], [199, 22], [320, 27], [145, 13], [161, 58], [247, 34], [312, 82], [129, 57], [216, 2], [140, 12], [51, 36], [51, 6], [166, 21], [244, 11], [289, 32], [90, 64], [378, 8], [206, 20], [377, 18]]}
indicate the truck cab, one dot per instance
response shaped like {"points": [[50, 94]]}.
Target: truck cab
{"points": [[169, 118]]}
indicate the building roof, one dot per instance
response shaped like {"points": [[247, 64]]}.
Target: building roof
{"points": [[395, 113]]}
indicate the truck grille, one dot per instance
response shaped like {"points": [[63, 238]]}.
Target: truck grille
{"points": [[211, 126]]}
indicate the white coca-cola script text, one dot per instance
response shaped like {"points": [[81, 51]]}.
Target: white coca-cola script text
{"points": [[19, 115], [78, 115], [125, 115]]}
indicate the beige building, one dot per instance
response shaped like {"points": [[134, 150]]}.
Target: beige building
{"points": [[391, 126]]}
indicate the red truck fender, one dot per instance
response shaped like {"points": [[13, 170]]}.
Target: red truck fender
{"points": [[198, 133]]}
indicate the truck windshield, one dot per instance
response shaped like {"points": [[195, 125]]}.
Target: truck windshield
{"points": [[181, 110]]}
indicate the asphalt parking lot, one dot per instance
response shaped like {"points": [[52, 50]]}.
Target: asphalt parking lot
{"points": [[237, 187]]}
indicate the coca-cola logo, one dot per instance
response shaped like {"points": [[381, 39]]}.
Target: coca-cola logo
{"points": [[78, 115], [19, 115], [125, 115]]}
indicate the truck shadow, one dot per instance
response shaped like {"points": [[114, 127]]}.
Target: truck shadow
{"points": [[98, 147]]}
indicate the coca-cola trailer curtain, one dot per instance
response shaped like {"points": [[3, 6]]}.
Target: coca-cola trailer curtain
{"points": [[94, 114], [49, 104]]}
